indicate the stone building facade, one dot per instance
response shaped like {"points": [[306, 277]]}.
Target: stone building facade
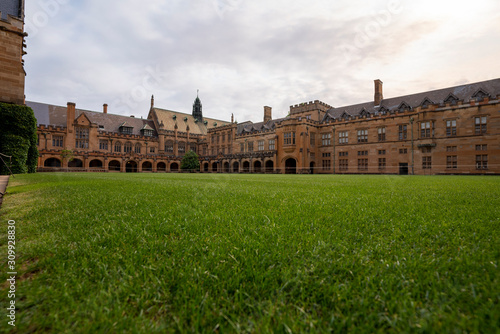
{"points": [[12, 45], [448, 131]]}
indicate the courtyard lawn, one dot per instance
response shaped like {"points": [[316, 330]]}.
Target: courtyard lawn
{"points": [[223, 253]]}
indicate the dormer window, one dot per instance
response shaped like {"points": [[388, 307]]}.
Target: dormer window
{"points": [[147, 133], [126, 129]]}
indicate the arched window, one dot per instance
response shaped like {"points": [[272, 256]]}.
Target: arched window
{"points": [[182, 147], [138, 148], [169, 146], [118, 146], [127, 148]]}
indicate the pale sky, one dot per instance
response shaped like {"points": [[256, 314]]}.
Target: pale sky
{"points": [[243, 55]]}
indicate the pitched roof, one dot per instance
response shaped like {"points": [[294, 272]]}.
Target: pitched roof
{"points": [[464, 92], [172, 118], [56, 116]]}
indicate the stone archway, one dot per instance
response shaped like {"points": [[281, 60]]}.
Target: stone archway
{"points": [[227, 169], [75, 163], [246, 167], [96, 163], [52, 162], [257, 166], [174, 167], [131, 166], [236, 167], [291, 166], [147, 166], [269, 166], [214, 167], [205, 167], [311, 167], [114, 165], [161, 167]]}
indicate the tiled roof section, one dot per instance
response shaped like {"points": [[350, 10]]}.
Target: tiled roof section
{"points": [[249, 127], [183, 121], [56, 116], [462, 93]]}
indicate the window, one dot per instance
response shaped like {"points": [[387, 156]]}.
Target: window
{"points": [[103, 145], [362, 164], [343, 137], [343, 154], [344, 164], [289, 138], [152, 150], [308, 117], [426, 163], [213, 139], [403, 151], [381, 134], [181, 148], [326, 155], [229, 150], [147, 132], [381, 152], [126, 130], [127, 148], [451, 161], [218, 139], [118, 146], [223, 137], [137, 148], [260, 144], [480, 123], [169, 146], [82, 137], [482, 161], [451, 128], [403, 132], [57, 141], [192, 147], [204, 150], [426, 149], [425, 129], [242, 147], [213, 151], [361, 153], [451, 148], [381, 163], [362, 136], [481, 147], [272, 145], [250, 146], [223, 150], [313, 138], [327, 164], [326, 139]]}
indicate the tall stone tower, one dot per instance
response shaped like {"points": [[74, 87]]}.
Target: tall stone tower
{"points": [[12, 36], [197, 109]]}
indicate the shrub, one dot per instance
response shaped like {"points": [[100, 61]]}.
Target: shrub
{"points": [[190, 161], [18, 138]]}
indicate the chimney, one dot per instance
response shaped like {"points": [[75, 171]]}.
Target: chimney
{"points": [[70, 114], [152, 101], [105, 108], [267, 114], [379, 95]]}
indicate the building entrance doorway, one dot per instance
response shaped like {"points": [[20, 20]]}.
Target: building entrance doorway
{"points": [[291, 166], [403, 168]]}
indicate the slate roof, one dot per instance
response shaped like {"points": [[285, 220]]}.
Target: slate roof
{"points": [[249, 127], [171, 118], [462, 93], [48, 114]]}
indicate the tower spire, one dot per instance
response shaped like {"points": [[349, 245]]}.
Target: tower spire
{"points": [[197, 107]]}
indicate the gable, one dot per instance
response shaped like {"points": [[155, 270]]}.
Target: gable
{"points": [[82, 120]]}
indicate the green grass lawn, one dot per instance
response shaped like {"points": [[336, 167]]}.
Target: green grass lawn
{"points": [[253, 253]]}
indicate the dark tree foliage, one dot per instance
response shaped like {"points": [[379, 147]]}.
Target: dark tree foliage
{"points": [[190, 161], [18, 138]]}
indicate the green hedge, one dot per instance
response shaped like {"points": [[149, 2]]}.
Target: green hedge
{"points": [[18, 138]]}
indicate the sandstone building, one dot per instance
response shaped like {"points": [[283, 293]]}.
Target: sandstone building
{"points": [[454, 130], [11, 51]]}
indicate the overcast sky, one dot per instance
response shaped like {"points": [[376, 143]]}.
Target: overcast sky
{"points": [[243, 55]]}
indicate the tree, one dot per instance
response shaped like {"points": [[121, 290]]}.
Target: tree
{"points": [[67, 155], [190, 161]]}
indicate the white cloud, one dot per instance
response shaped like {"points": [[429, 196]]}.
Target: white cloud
{"points": [[243, 55]]}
